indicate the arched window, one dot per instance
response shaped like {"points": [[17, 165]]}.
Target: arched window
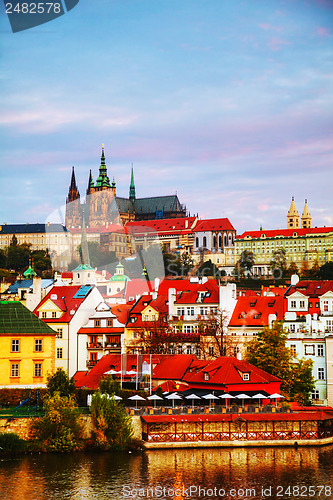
{"points": [[197, 242], [225, 240], [214, 241], [220, 241], [204, 242]]}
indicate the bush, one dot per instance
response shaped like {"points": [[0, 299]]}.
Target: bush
{"points": [[60, 429], [112, 428], [61, 383], [11, 443]]}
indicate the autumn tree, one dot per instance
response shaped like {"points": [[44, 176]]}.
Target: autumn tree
{"points": [[269, 352], [278, 264], [214, 333], [112, 427], [60, 428]]}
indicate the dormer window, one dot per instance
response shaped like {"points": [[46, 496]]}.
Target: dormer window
{"points": [[246, 377], [206, 376]]}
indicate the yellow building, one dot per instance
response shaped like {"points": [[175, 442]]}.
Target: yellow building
{"points": [[27, 347], [302, 244]]}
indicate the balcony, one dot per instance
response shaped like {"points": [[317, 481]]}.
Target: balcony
{"points": [[327, 313], [95, 345], [91, 363]]}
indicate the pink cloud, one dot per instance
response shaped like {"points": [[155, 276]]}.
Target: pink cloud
{"points": [[277, 43], [267, 26], [324, 32]]}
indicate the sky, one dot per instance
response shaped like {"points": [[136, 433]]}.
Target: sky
{"points": [[226, 102]]}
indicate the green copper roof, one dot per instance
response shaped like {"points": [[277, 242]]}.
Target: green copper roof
{"points": [[30, 272], [16, 318], [84, 267], [120, 277]]}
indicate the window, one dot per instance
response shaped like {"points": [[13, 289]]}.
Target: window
{"points": [[14, 370], [211, 351], [325, 305], [38, 370], [309, 349], [180, 349], [189, 349], [180, 311], [15, 345], [146, 318], [190, 311], [246, 376], [293, 350], [236, 351], [292, 328], [97, 322], [315, 394], [320, 350], [54, 314], [43, 314], [321, 374], [302, 304], [110, 322], [59, 332], [329, 325], [38, 345], [206, 376], [59, 352], [293, 304]]}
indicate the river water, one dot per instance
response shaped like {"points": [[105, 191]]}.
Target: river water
{"points": [[241, 473]]}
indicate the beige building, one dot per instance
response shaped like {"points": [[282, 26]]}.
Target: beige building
{"points": [[303, 245]]}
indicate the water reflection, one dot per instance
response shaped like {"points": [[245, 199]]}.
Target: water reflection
{"points": [[119, 475]]}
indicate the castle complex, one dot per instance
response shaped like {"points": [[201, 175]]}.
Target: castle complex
{"points": [[103, 206]]}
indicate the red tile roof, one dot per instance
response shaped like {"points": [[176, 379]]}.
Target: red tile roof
{"points": [[161, 226], [255, 310], [64, 300], [173, 367], [214, 225], [311, 289], [92, 378], [272, 233]]}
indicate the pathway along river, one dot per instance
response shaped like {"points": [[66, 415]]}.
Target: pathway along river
{"points": [[255, 473]]}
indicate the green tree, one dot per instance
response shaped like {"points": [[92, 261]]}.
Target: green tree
{"points": [[292, 269], [60, 429], [247, 261], [41, 261], [269, 352], [112, 427], [3, 259], [326, 271], [61, 383], [278, 264], [108, 385], [18, 256], [209, 269]]}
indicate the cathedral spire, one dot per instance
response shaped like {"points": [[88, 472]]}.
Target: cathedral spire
{"points": [[132, 187], [293, 216], [90, 183], [73, 192], [306, 217], [103, 180]]}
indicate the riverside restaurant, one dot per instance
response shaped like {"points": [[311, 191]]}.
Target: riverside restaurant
{"points": [[304, 426]]}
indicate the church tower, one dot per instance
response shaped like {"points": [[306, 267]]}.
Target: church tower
{"points": [[132, 187], [73, 204], [292, 216], [306, 217], [101, 208]]}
